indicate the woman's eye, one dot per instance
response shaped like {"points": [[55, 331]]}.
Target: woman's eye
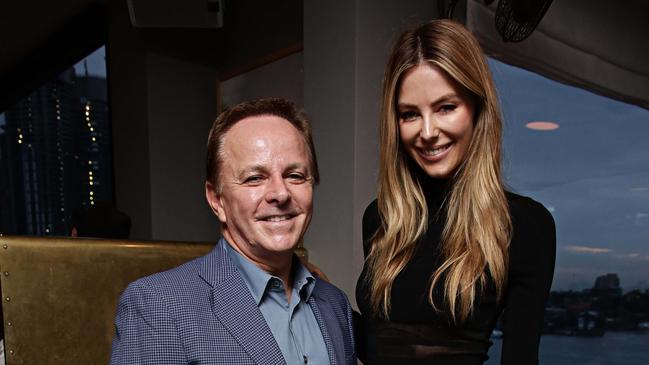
{"points": [[407, 116], [447, 108]]}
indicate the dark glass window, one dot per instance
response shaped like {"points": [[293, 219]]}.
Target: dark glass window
{"points": [[586, 161], [55, 151]]}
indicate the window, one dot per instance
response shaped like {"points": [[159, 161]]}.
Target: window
{"points": [[55, 151], [592, 174]]}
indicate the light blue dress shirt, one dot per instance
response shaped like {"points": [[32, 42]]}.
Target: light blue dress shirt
{"points": [[292, 323]]}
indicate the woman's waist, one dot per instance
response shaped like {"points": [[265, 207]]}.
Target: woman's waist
{"points": [[410, 340]]}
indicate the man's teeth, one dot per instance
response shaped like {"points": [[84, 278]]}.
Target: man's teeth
{"points": [[278, 218], [435, 151]]}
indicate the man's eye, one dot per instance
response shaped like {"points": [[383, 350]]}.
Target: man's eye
{"points": [[296, 177], [253, 179], [408, 116]]}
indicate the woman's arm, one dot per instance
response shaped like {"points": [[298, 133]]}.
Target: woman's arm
{"points": [[532, 256]]}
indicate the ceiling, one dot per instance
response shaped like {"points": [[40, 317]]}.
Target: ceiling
{"points": [[27, 25], [39, 39]]}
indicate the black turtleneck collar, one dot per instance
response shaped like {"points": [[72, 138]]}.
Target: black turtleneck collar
{"points": [[435, 190]]}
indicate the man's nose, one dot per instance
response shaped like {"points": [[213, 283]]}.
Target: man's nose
{"points": [[429, 128], [277, 191]]}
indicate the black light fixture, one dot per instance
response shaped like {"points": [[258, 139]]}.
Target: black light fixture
{"points": [[515, 19]]}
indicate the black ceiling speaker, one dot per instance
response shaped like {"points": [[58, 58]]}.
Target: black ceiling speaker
{"points": [[517, 19], [176, 13]]}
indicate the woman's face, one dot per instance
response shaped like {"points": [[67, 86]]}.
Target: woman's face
{"points": [[435, 120]]}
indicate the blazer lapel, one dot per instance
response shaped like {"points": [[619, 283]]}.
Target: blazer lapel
{"points": [[237, 310], [323, 315]]}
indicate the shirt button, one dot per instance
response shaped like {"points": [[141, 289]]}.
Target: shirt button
{"points": [[275, 284]]}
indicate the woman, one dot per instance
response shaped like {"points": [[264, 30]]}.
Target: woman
{"points": [[447, 248]]}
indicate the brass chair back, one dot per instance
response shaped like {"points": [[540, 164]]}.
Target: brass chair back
{"points": [[59, 295]]}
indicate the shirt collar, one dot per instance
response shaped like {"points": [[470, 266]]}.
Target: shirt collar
{"points": [[257, 279]]}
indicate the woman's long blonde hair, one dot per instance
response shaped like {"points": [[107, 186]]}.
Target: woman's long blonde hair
{"points": [[477, 230]]}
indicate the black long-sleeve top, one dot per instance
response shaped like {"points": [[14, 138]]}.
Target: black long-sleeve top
{"points": [[531, 267]]}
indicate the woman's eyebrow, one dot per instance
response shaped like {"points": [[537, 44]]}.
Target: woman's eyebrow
{"points": [[441, 99]]}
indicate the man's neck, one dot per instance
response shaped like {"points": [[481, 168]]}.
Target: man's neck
{"points": [[279, 264]]}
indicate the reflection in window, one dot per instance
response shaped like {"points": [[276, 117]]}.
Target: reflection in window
{"points": [[55, 152], [592, 174]]}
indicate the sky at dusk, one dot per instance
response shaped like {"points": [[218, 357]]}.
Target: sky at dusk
{"points": [[96, 62], [592, 174]]}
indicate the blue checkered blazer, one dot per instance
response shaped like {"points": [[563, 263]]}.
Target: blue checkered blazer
{"points": [[203, 313]]}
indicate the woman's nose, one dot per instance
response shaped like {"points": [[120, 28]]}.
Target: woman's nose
{"points": [[429, 128]]}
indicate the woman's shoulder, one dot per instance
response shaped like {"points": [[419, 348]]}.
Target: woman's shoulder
{"points": [[533, 227], [371, 212], [525, 209], [371, 223]]}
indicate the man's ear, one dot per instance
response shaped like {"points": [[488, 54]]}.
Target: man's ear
{"points": [[215, 200]]}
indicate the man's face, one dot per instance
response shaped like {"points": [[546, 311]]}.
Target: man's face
{"points": [[265, 200]]}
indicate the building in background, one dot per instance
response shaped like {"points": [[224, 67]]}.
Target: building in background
{"points": [[56, 155]]}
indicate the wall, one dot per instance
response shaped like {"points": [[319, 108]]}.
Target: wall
{"points": [[282, 78], [181, 108], [345, 50], [163, 96]]}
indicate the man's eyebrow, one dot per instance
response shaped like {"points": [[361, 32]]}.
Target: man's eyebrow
{"points": [[296, 166], [251, 170], [254, 169]]}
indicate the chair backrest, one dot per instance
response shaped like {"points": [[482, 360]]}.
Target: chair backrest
{"points": [[59, 295]]}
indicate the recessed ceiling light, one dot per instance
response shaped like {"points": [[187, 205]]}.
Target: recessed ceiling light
{"points": [[542, 126]]}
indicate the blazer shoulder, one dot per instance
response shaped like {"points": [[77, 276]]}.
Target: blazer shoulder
{"points": [[184, 277], [330, 292]]}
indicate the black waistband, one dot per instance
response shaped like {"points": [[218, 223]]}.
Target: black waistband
{"points": [[416, 341]]}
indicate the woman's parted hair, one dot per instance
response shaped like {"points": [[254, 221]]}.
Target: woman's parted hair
{"points": [[477, 229], [268, 106]]}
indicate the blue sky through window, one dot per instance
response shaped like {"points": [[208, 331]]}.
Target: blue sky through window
{"points": [[592, 173]]}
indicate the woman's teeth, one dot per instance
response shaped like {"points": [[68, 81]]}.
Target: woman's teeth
{"points": [[435, 151]]}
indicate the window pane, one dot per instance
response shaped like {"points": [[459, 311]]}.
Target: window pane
{"points": [[55, 151], [592, 174]]}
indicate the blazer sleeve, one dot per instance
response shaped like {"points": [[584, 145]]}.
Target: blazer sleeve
{"points": [[351, 359], [145, 332], [532, 258]]}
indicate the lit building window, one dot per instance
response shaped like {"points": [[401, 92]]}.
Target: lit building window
{"points": [[57, 111]]}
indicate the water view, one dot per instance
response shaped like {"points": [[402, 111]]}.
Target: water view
{"points": [[613, 348]]}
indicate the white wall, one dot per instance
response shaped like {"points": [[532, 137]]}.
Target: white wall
{"points": [[282, 78], [345, 50], [181, 99], [161, 111]]}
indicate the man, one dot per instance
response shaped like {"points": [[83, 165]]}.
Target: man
{"points": [[250, 300]]}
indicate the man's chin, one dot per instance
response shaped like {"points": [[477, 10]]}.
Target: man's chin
{"points": [[282, 247]]}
